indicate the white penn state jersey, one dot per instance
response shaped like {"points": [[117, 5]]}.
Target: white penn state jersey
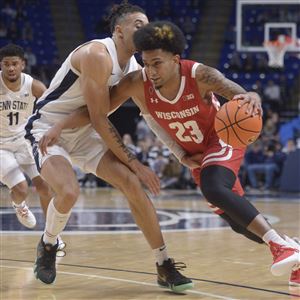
{"points": [[64, 94], [15, 108]]}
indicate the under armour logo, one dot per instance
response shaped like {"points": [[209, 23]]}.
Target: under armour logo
{"points": [[154, 100]]}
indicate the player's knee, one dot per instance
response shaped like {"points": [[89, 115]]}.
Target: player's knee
{"points": [[20, 191], [212, 192], [70, 194]]}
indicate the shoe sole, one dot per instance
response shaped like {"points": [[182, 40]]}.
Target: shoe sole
{"points": [[179, 288], [291, 283], [286, 265], [47, 283]]}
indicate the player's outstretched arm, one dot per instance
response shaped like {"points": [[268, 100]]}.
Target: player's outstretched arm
{"points": [[78, 118], [96, 67], [211, 80]]}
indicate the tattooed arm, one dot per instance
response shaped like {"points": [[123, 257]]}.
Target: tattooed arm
{"points": [[211, 80], [96, 94]]}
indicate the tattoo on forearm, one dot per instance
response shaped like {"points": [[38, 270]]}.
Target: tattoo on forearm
{"points": [[118, 139], [219, 84]]}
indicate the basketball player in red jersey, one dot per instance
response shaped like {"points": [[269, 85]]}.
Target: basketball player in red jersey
{"points": [[176, 99]]}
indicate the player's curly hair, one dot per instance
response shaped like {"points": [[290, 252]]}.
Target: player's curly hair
{"points": [[118, 12], [11, 50], [160, 35]]}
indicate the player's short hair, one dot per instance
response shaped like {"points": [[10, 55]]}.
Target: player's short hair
{"points": [[11, 50], [119, 11], [160, 35]]}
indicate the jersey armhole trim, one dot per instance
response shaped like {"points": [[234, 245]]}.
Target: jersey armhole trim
{"points": [[193, 73], [144, 74]]}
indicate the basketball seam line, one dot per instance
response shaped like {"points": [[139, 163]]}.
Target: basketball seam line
{"points": [[233, 127], [254, 131]]}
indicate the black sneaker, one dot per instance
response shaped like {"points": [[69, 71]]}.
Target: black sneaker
{"points": [[45, 269], [169, 277]]}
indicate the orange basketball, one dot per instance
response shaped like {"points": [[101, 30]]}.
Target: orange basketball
{"points": [[235, 127]]}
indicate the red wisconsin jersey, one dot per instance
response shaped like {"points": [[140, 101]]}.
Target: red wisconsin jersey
{"points": [[187, 118]]}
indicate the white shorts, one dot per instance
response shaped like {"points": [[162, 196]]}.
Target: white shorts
{"points": [[15, 158], [83, 149]]}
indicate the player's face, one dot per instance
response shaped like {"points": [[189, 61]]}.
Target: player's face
{"points": [[160, 66], [128, 26], [11, 67]]}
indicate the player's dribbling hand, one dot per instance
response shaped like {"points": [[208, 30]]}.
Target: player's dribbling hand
{"points": [[193, 161], [49, 138], [148, 178], [253, 101]]}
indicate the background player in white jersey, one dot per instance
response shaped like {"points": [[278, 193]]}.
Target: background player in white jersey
{"points": [[84, 79], [18, 92]]}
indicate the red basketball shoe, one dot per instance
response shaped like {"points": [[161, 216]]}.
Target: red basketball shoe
{"points": [[295, 276], [284, 258]]}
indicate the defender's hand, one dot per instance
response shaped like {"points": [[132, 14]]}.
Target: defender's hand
{"points": [[193, 161], [49, 138], [253, 101], [147, 177]]}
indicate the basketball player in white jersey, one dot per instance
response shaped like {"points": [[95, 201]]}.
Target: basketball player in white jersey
{"points": [[85, 79], [18, 92]]}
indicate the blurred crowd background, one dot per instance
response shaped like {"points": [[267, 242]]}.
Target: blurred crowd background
{"points": [[49, 29]]}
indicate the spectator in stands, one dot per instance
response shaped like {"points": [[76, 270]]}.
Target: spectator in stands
{"points": [[290, 146], [165, 11], [261, 63], [9, 11], [272, 95], [248, 63], [158, 156], [144, 146], [188, 26], [27, 32], [235, 62], [21, 14], [258, 88], [171, 173], [13, 32], [31, 60], [3, 30], [128, 142], [268, 162], [142, 130], [270, 128]]}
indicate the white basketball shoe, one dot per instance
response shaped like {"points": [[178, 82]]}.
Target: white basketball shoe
{"points": [[24, 215]]}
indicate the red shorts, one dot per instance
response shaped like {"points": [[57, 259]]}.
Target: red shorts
{"points": [[220, 154]]}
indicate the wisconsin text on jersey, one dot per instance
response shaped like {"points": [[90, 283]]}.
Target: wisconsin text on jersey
{"points": [[178, 114], [8, 105]]}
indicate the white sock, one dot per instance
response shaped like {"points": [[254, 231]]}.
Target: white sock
{"points": [[161, 254], [55, 224], [273, 236]]}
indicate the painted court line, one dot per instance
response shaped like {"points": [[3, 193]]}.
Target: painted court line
{"points": [[125, 280]]}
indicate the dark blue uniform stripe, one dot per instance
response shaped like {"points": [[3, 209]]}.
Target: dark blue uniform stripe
{"points": [[66, 83]]}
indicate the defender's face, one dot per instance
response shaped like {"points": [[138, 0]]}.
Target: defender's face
{"points": [[131, 23], [160, 66], [11, 67]]}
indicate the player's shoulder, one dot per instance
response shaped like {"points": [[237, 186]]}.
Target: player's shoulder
{"points": [[92, 51]]}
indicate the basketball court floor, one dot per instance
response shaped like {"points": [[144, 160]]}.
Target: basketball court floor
{"points": [[108, 258]]}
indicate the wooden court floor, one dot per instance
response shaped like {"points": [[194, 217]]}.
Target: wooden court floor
{"points": [[108, 258]]}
